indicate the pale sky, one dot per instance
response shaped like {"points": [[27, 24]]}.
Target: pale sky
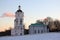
{"points": [[33, 10]]}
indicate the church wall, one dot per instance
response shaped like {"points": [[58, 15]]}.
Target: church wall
{"points": [[37, 29], [18, 23]]}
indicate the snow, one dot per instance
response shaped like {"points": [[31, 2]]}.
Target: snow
{"points": [[44, 36]]}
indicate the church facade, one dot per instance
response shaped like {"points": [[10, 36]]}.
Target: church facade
{"points": [[38, 28], [18, 23]]}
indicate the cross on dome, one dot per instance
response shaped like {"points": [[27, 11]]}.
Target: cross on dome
{"points": [[19, 6], [19, 9]]}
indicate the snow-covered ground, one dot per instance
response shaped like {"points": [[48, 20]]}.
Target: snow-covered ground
{"points": [[45, 36]]}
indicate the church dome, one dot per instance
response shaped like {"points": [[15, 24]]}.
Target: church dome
{"points": [[19, 10]]}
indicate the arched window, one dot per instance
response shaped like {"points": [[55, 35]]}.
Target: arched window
{"points": [[21, 21], [21, 28], [20, 33], [41, 31], [38, 31], [16, 20], [35, 31]]}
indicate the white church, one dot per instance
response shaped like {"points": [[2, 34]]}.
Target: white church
{"points": [[38, 28], [18, 30], [18, 23]]}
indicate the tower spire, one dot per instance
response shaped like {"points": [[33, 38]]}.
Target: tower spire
{"points": [[19, 9], [19, 6]]}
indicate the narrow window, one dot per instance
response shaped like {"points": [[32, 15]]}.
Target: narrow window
{"points": [[21, 28], [20, 33], [16, 20], [21, 21], [35, 31], [41, 31], [38, 31]]}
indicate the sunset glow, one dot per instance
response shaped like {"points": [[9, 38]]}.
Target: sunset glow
{"points": [[33, 10]]}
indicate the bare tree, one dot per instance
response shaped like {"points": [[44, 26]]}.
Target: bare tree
{"points": [[57, 24]]}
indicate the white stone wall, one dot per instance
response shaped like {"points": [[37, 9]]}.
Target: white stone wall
{"points": [[18, 24], [12, 32], [38, 29]]}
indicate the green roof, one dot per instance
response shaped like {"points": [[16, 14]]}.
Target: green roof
{"points": [[38, 24]]}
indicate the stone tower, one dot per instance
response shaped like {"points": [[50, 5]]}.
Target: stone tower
{"points": [[18, 23]]}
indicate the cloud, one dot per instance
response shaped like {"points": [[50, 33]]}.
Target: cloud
{"points": [[8, 14]]}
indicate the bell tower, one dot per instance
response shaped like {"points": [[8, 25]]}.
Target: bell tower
{"points": [[18, 23]]}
